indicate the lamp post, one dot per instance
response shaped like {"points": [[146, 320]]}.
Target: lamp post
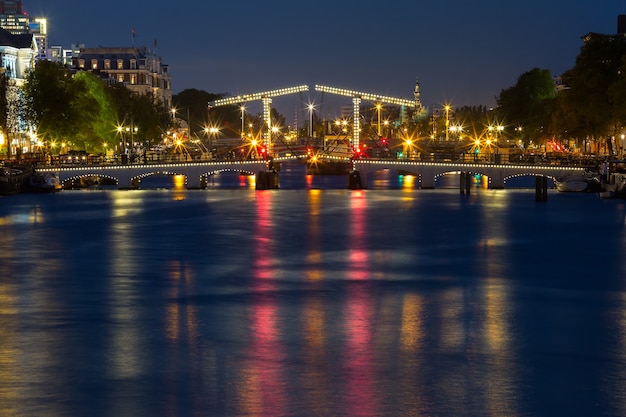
{"points": [[447, 110], [211, 132], [120, 131], [243, 112], [379, 108], [311, 108]]}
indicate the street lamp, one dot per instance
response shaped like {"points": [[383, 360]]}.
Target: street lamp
{"points": [[120, 131], [243, 112], [379, 108], [311, 108], [211, 132], [447, 110]]}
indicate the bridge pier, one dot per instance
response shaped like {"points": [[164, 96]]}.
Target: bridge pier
{"points": [[355, 182], [125, 182], [541, 188], [465, 182], [194, 182], [267, 180], [427, 181]]}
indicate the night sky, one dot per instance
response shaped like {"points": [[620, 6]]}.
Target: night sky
{"points": [[462, 53]]}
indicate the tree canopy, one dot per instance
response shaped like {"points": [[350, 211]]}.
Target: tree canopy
{"points": [[83, 111]]}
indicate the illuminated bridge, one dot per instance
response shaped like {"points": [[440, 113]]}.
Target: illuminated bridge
{"points": [[195, 173], [428, 172], [130, 176]]}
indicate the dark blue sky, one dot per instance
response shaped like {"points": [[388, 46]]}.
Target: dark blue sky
{"points": [[463, 53]]}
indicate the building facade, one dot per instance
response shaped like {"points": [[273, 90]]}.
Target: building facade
{"points": [[13, 18], [39, 28], [17, 57], [17, 54], [139, 69]]}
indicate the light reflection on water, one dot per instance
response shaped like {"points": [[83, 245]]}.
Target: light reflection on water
{"points": [[310, 302]]}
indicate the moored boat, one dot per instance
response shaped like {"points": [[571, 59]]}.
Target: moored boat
{"points": [[614, 180], [571, 184], [13, 179], [43, 183]]}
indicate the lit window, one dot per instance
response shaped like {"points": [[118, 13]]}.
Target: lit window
{"points": [[81, 63], [107, 64], [94, 64], [133, 78], [120, 64], [120, 78]]}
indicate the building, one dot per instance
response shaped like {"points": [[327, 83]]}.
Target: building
{"points": [[17, 57], [16, 21], [13, 18], [17, 54], [139, 69], [39, 28]]}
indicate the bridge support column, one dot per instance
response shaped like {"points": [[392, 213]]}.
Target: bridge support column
{"points": [[267, 180], [194, 182], [497, 180], [465, 182], [427, 181], [125, 182], [355, 182], [541, 188]]}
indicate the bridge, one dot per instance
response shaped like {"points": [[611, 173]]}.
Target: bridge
{"points": [[130, 176], [428, 172], [195, 173]]}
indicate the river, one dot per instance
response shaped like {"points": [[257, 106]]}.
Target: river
{"points": [[312, 300]]}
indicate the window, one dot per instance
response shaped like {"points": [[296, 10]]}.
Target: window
{"points": [[107, 64], [133, 78], [94, 64], [120, 78], [133, 64], [120, 64], [81, 63]]}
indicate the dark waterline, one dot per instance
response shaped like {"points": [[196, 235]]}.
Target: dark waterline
{"points": [[309, 302]]}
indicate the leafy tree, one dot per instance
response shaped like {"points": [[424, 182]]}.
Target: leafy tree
{"points": [[4, 110], [527, 102], [192, 106], [138, 112], [50, 101], [591, 106], [98, 131]]}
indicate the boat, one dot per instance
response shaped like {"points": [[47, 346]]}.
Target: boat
{"points": [[614, 183], [578, 183], [13, 179], [39, 182], [571, 184]]}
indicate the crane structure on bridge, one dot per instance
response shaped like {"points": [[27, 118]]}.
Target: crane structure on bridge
{"points": [[357, 97], [266, 99]]}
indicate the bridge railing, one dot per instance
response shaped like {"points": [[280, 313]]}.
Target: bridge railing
{"points": [[585, 161]]}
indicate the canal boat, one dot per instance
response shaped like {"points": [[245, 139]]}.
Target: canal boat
{"points": [[40, 182], [13, 179], [614, 184], [576, 184]]}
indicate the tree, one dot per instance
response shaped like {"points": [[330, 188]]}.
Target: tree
{"points": [[52, 104], [592, 104], [141, 113], [527, 102], [3, 111], [193, 106], [98, 129]]}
